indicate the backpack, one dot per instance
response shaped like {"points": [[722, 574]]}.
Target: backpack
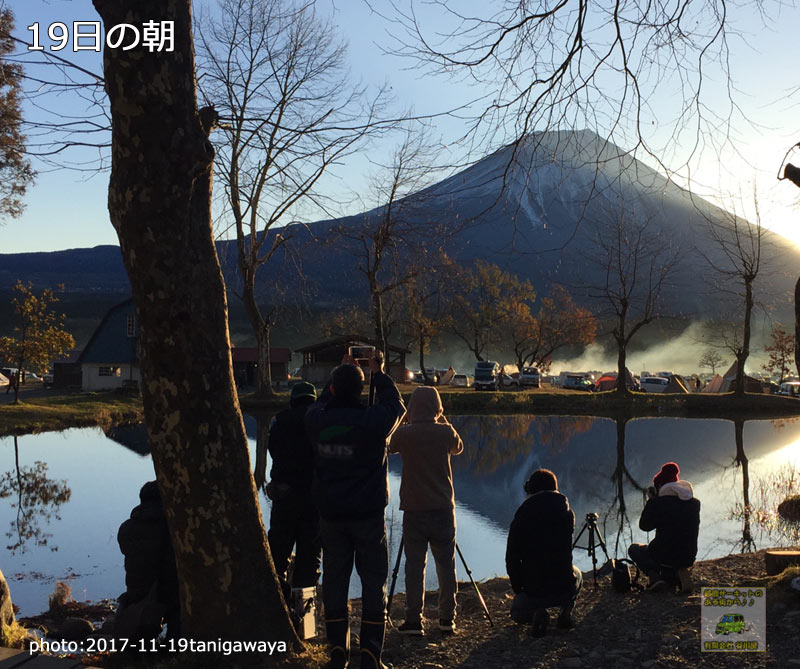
{"points": [[621, 579]]}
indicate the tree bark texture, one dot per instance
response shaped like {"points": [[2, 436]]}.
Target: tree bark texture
{"points": [[797, 326], [744, 353], [261, 328], [159, 203], [6, 608]]}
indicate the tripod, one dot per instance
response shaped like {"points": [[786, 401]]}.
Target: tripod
{"points": [[594, 536], [469, 573]]}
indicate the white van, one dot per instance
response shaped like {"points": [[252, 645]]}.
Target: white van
{"points": [[653, 384]]}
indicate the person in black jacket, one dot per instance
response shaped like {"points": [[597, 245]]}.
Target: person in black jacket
{"points": [[150, 572], [293, 520], [674, 513], [351, 491], [539, 555]]}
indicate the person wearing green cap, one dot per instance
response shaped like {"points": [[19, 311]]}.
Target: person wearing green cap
{"points": [[294, 519]]}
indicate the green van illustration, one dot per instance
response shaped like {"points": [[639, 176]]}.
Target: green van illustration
{"points": [[730, 622]]}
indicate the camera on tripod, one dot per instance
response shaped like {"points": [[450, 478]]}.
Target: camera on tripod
{"points": [[594, 539]]}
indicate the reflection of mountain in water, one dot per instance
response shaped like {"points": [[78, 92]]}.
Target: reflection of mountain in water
{"points": [[133, 437], [500, 453]]}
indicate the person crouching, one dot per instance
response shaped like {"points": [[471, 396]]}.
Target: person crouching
{"points": [[539, 555], [673, 512]]}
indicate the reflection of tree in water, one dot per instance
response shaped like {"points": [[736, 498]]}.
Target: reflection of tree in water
{"points": [[618, 507], [747, 543], [769, 492], [38, 500], [494, 441]]}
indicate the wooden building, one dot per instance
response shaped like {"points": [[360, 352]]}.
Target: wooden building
{"points": [[319, 360]]}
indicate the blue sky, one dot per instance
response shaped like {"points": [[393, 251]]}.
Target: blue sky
{"points": [[67, 209]]}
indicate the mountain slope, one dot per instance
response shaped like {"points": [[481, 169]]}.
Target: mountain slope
{"points": [[528, 208]]}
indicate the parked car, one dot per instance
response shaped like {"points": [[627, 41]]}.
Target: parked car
{"points": [[508, 381], [461, 381], [579, 383], [789, 388], [653, 384], [575, 381], [529, 376], [487, 375]]}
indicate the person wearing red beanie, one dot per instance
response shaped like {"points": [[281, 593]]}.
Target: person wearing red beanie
{"points": [[674, 513]]}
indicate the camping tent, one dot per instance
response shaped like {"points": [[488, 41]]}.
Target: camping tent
{"points": [[676, 385], [714, 385], [3, 380], [609, 381], [606, 382], [751, 385], [727, 383]]}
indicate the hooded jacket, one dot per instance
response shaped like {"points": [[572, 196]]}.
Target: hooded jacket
{"points": [[539, 549], [675, 516], [425, 444]]}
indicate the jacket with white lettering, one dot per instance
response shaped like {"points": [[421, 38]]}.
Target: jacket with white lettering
{"points": [[350, 463]]}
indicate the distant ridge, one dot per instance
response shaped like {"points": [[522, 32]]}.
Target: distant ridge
{"points": [[527, 214]]}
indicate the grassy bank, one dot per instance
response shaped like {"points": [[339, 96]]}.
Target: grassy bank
{"points": [[554, 402], [58, 412]]}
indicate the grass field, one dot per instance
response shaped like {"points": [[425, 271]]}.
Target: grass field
{"points": [[555, 401], [58, 412]]}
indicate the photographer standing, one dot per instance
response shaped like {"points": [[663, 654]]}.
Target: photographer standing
{"points": [[351, 490], [539, 555], [674, 513], [428, 504], [294, 519]]}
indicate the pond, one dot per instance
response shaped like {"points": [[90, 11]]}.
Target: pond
{"points": [[79, 485]]}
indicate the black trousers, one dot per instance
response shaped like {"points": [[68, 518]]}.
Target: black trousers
{"points": [[363, 543], [294, 522]]}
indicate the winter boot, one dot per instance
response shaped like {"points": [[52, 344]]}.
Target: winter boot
{"points": [[338, 633], [372, 643]]}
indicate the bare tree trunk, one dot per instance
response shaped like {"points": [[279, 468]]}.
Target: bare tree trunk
{"points": [[6, 607], [742, 355], [260, 327], [622, 366], [797, 326], [377, 315], [159, 203]]}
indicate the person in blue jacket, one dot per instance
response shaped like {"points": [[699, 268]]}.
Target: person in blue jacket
{"points": [[351, 491]]}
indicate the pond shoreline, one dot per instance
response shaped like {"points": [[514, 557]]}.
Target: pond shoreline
{"points": [[55, 412], [603, 405], [62, 411]]}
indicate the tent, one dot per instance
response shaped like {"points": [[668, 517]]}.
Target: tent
{"points": [[3, 380], [714, 385], [606, 382], [676, 385], [751, 385], [609, 381], [447, 378], [727, 383]]}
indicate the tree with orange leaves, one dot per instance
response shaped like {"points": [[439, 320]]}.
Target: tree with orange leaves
{"points": [[559, 323]]}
